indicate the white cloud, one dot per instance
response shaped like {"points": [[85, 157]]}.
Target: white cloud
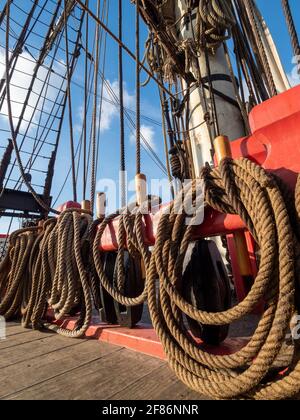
{"points": [[149, 135], [111, 111], [20, 83]]}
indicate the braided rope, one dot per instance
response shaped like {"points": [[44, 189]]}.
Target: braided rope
{"points": [[243, 188], [48, 268]]}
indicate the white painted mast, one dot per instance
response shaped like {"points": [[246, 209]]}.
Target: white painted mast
{"points": [[229, 116]]}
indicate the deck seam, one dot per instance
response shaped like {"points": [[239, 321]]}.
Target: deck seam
{"points": [[59, 374], [44, 354]]}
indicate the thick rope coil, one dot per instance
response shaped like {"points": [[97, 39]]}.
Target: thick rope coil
{"points": [[215, 20], [13, 275], [243, 188], [262, 201], [49, 268], [130, 235]]}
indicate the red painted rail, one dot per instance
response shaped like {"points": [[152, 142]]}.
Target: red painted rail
{"points": [[274, 144]]}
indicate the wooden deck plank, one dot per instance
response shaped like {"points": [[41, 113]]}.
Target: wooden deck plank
{"points": [[96, 380], [20, 376], [33, 349], [43, 365], [18, 339], [160, 384], [15, 329]]}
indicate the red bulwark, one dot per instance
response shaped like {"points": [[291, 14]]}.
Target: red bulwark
{"points": [[143, 338], [68, 205], [274, 144]]}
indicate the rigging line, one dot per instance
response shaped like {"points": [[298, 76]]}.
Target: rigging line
{"points": [[138, 88], [32, 184], [5, 114], [36, 170], [33, 33], [261, 48], [30, 154], [145, 143], [41, 22], [12, 128], [122, 122], [32, 116], [64, 99], [144, 117], [45, 9], [46, 127], [69, 95], [20, 42], [85, 103], [90, 92], [74, 63], [164, 131], [27, 45], [247, 57], [30, 88], [40, 119], [103, 34], [27, 136], [94, 117], [124, 47], [3, 12], [292, 29], [43, 65], [55, 103], [103, 16], [51, 12], [7, 238], [67, 176], [31, 106]]}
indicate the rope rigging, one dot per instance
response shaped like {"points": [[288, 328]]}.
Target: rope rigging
{"points": [[291, 28], [60, 263]]}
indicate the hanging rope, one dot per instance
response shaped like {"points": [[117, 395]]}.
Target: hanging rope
{"points": [[95, 111], [138, 88], [261, 48], [86, 97], [69, 96], [121, 95], [236, 187], [215, 22], [291, 28], [47, 266]]}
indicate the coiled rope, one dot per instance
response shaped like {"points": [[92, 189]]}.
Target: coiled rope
{"points": [[57, 274], [215, 20], [49, 268], [236, 187]]}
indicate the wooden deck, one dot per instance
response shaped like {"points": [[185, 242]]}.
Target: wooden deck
{"points": [[37, 365]]}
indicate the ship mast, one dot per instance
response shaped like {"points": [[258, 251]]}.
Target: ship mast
{"points": [[221, 111]]}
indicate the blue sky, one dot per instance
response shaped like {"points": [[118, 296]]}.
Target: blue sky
{"points": [[109, 140]]}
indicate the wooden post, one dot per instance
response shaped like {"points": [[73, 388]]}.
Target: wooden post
{"points": [[141, 189], [86, 205], [101, 205]]}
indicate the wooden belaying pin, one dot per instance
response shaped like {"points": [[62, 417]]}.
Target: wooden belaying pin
{"points": [[101, 205], [141, 189], [86, 205]]}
